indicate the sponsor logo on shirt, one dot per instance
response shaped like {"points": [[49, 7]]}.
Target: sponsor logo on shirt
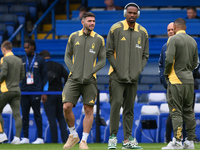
{"points": [[77, 43], [92, 49], [123, 39], [138, 44]]}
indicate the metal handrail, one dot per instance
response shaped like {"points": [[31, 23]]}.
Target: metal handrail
{"points": [[34, 30]]}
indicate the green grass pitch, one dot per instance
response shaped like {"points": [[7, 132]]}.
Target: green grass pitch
{"points": [[94, 146]]}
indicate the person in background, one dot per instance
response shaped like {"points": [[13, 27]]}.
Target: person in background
{"points": [[127, 51], [181, 60], [110, 5], [192, 13], [35, 80], [53, 106], [87, 47], [82, 10], [169, 128], [170, 32], [12, 72]]}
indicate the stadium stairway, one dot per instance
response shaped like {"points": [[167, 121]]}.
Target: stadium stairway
{"points": [[46, 27]]}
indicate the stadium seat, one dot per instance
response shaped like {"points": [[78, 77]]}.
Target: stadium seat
{"points": [[21, 11], [3, 9], [32, 127], [102, 82], [157, 99], [11, 22], [164, 113], [142, 97], [197, 117], [158, 87], [32, 4], [33, 134], [147, 130], [3, 32], [8, 119], [147, 3], [9, 2], [150, 79], [137, 111]]}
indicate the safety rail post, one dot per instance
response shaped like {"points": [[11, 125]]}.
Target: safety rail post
{"points": [[53, 21], [67, 8]]}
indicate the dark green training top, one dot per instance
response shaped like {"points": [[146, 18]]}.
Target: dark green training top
{"points": [[85, 50], [181, 58], [12, 72], [127, 50]]}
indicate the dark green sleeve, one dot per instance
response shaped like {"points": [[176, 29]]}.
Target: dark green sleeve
{"points": [[110, 48], [101, 58], [170, 54], [68, 54], [4, 70], [195, 59], [145, 55]]}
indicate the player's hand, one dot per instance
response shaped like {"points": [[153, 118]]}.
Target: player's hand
{"points": [[44, 98]]}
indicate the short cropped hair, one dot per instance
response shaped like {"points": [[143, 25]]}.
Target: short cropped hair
{"points": [[193, 8], [180, 21], [31, 42], [88, 14], [7, 45], [45, 53]]}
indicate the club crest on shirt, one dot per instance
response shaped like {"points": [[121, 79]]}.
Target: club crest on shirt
{"points": [[35, 64], [138, 45], [92, 49]]}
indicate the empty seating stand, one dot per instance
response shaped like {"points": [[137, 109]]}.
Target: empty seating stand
{"points": [[3, 32], [11, 22], [22, 12], [147, 3], [32, 4], [3, 9], [154, 27]]}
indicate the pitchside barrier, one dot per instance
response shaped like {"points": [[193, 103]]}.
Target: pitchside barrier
{"points": [[100, 132]]}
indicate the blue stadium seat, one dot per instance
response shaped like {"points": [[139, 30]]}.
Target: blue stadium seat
{"points": [[8, 119], [150, 79], [164, 113], [32, 4], [32, 128], [3, 9], [9, 2], [154, 27], [197, 117], [147, 3], [142, 97], [3, 32], [55, 47], [11, 22], [103, 81], [21, 11], [147, 130]]}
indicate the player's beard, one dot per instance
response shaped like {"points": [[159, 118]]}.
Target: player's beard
{"points": [[131, 21], [87, 28]]}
